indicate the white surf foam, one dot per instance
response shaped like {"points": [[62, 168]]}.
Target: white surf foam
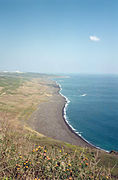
{"points": [[83, 95], [66, 118]]}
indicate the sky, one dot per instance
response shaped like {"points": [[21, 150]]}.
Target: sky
{"points": [[59, 36]]}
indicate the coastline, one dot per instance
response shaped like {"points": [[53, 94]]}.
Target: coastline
{"points": [[67, 101], [50, 119]]}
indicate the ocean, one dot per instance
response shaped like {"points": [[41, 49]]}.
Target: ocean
{"points": [[92, 108]]}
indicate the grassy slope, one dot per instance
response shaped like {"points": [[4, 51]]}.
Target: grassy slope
{"points": [[23, 141], [20, 94]]}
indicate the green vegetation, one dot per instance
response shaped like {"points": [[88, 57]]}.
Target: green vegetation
{"points": [[26, 154], [19, 93], [11, 81], [9, 84]]}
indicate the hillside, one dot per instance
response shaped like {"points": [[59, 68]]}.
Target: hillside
{"points": [[27, 154]]}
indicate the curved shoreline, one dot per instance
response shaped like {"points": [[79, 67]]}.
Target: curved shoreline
{"points": [[65, 118], [49, 119], [67, 101]]}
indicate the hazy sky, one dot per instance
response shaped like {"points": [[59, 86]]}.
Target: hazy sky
{"points": [[56, 36]]}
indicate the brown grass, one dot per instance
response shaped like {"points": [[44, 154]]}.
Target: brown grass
{"points": [[23, 157], [21, 102], [17, 142]]}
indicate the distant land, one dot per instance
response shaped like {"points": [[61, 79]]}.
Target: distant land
{"points": [[31, 111]]}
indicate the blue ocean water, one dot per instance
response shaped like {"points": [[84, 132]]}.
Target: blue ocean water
{"points": [[93, 107]]}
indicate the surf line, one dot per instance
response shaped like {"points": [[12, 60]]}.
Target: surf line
{"points": [[67, 101]]}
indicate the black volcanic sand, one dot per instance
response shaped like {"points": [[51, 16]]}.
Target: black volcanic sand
{"points": [[48, 120]]}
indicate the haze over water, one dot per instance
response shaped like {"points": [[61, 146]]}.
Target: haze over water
{"points": [[93, 107]]}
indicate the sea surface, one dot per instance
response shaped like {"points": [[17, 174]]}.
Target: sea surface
{"points": [[92, 109]]}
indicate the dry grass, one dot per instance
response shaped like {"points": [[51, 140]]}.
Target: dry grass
{"points": [[20, 102], [22, 158], [26, 154]]}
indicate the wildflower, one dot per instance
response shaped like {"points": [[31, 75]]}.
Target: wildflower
{"points": [[48, 158], [24, 163], [36, 149], [69, 164], [86, 164], [39, 147], [20, 156], [45, 151], [44, 154], [33, 150], [67, 169], [17, 166], [70, 178], [60, 151], [107, 177], [26, 166]]}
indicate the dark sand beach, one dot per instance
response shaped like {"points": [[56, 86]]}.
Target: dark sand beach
{"points": [[48, 119]]}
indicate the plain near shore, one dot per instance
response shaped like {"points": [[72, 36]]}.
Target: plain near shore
{"points": [[48, 119]]}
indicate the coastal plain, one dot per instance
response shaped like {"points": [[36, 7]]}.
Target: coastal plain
{"points": [[36, 103], [32, 103], [49, 120]]}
